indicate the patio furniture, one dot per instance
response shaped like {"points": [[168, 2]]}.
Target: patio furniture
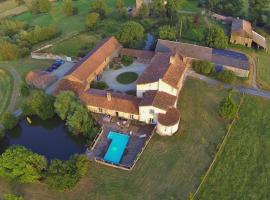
{"points": [[143, 136]]}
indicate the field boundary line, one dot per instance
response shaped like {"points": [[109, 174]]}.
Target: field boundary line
{"points": [[219, 149]]}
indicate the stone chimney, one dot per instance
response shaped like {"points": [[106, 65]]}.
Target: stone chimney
{"points": [[109, 96]]}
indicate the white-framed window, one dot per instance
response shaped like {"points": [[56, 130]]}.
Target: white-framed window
{"points": [[100, 110], [131, 116]]}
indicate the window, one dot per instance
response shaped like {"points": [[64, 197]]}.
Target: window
{"points": [[100, 110], [131, 117], [151, 120]]}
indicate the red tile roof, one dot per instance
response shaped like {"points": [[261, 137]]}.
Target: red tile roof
{"points": [[144, 54], [69, 85], [170, 118], [161, 100], [40, 79], [117, 102]]}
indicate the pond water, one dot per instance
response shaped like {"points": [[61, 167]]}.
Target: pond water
{"points": [[50, 138]]}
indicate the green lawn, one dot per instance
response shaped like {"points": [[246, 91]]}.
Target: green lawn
{"points": [[243, 168], [6, 87], [127, 77], [169, 168], [263, 71]]}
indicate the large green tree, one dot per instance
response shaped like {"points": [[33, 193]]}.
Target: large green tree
{"points": [[216, 38], [158, 8], [40, 6], [257, 9], [9, 51], [8, 120], [68, 7], [228, 107], [21, 164], [228, 7], [131, 34], [62, 104], [167, 32], [143, 11], [100, 7], [91, 20]]}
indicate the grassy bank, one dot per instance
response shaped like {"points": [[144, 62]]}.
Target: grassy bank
{"points": [[169, 168], [263, 71], [242, 170], [6, 87]]}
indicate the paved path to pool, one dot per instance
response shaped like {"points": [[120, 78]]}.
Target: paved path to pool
{"points": [[109, 76]]}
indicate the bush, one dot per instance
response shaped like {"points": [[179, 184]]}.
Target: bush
{"points": [[91, 20], [9, 51], [2, 133], [226, 76], [8, 120], [68, 7], [12, 197], [203, 67], [127, 60], [24, 89], [40, 6], [216, 38], [63, 175], [100, 7], [99, 85], [228, 107], [167, 33]]}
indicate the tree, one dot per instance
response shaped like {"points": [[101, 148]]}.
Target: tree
{"points": [[131, 33], [120, 4], [24, 89], [12, 197], [40, 6], [9, 51], [173, 6], [40, 104], [68, 8], [79, 121], [91, 20], [228, 107], [167, 33], [216, 38], [159, 8], [21, 164], [8, 120], [226, 76], [256, 10], [100, 6], [62, 104], [202, 67], [143, 11]]}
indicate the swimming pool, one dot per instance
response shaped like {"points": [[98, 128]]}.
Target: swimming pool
{"points": [[117, 147]]}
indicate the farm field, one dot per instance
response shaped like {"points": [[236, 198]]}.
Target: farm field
{"points": [[263, 71], [242, 170], [169, 168], [6, 87]]}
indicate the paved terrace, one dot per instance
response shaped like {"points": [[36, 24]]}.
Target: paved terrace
{"points": [[140, 136]]}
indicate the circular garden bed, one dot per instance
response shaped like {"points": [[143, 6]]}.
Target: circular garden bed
{"points": [[127, 77]]}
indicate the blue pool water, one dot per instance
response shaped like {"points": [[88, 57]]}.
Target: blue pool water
{"points": [[117, 147]]}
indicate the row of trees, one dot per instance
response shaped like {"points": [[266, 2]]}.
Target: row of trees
{"points": [[22, 165]]}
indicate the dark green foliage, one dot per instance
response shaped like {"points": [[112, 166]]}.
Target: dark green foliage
{"points": [[40, 6], [68, 8], [173, 7], [39, 34], [126, 60], [2, 133], [158, 8], [63, 175], [228, 7], [91, 20], [80, 121], [216, 38], [143, 11], [131, 34], [227, 107], [120, 4], [127, 77], [21, 164], [257, 10], [99, 85], [12, 197], [226, 76], [100, 7], [8, 120], [203, 67], [9, 27], [167, 33], [40, 104], [62, 104], [24, 89]]}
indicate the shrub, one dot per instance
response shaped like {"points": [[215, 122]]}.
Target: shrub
{"points": [[127, 60], [12, 197], [68, 7], [8, 120], [228, 107], [2, 133], [226, 76], [99, 85], [216, 38], [24, 89], [203, 67], [167, 33], [100, 7], [9, 51], [91, 20]]}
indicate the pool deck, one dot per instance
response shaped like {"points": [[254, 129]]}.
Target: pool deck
{"points": [[134, 148]]}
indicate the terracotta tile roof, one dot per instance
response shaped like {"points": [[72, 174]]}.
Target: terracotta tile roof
{"points": [[161, 67], [242, 28], [170, 118], [92, 62], [40, 79], [161, 100], [118, 102], [229, 58], [144, 54], [68, 85]]}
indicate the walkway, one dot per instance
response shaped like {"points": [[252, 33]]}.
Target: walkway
{"points": [[109, 76], [210, 81]]}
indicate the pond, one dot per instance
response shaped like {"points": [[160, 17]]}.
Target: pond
{"points": [[50, 138]]}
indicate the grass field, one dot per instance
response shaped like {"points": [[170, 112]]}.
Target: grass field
{"points": [[169, 168], [243, 168], [263, 71], [6, 87]]}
